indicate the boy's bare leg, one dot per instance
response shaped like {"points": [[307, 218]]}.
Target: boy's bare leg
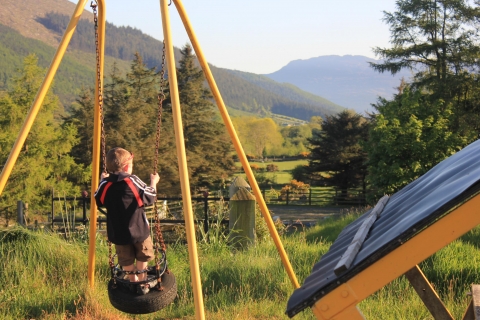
{"points": [[142, 266], [132, 277]]}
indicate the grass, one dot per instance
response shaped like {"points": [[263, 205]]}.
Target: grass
{"points": [[282, 176], [43, 276]]}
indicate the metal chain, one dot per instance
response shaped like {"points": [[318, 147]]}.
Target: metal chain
{"points": [[94, 6], [159, 241]]}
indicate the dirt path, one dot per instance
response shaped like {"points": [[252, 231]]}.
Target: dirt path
{"points": [[303, 213]]}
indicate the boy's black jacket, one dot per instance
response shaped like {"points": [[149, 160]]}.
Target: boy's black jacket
{"points": [[125, 197]]}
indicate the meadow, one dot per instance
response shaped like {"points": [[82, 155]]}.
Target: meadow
{"points": [[44, 276], [282, 176]]}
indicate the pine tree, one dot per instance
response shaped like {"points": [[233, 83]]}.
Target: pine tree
{"points": [[44, 162], [130, 113], [439, 41], [82, 117], [337, 150], [207, 144]]}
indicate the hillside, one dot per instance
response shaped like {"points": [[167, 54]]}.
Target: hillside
{"points": [[23, 16], [77, 69], [288, 90], [346, 80], [42, 28]]}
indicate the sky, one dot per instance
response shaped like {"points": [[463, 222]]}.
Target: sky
{"points": [[265, 35]]}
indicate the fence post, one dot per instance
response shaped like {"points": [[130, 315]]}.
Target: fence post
{"points": [[20, 219], [242, 218], [287, 197], [53, 209], [205, 208], [84, 206], [310, 196]]}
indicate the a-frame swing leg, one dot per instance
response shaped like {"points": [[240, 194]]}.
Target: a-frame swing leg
{"points": [[236, 142], [182, 163], [97, 131], [42, 91]]}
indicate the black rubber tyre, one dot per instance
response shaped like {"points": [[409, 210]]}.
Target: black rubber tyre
{"points": [[124, 300]]}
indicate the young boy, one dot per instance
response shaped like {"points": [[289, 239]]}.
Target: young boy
{"points": [[125, 197]]}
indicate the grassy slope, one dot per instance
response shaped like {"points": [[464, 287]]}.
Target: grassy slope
{"points": [[73, 73], [38, 271], [288, 90]]}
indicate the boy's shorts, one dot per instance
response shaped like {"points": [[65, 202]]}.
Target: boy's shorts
{"points": [[142, 251]]}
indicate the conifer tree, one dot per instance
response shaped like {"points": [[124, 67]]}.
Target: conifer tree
{"points": [[337, 150], [207, 144], [82, 117], [130, 118], [44, 162]]}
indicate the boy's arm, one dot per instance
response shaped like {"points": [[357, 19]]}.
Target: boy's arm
{"points": [[154, 179], [99, 192], [147, 193]]}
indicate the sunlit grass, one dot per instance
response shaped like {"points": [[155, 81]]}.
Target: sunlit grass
{"points": [[43, 276]]}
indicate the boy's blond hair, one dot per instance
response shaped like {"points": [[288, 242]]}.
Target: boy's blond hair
{"points": [[117, 158]]}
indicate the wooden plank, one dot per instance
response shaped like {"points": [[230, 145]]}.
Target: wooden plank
{"points": [[469, 313], [362, 232], [428, 295], [476, 300]]}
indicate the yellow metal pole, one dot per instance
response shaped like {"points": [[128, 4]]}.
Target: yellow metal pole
{"points": [[96, 144], [182, 161], [42, 91], [236, 142]]}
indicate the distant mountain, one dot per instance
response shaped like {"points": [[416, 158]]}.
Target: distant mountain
{"points": [[41, 24], [288, 91], [347, 80], [260, 95]]}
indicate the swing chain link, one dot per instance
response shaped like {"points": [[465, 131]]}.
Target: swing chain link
{"points": [[94, 6], [159, 241]]}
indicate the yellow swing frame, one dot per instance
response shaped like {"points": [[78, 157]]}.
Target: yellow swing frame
{"points": [[183, 172]]}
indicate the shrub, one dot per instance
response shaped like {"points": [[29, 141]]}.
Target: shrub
{"points": [[255, 167], [296, 190], [272, 167]]}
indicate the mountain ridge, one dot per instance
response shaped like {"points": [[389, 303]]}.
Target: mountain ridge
{"points": [[345, 80], [48, 18]]}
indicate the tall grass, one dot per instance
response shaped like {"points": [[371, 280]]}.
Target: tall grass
{"points": [[43, 276]]}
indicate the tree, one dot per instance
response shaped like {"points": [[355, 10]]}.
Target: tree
{"points": [[130, 106], [337, 149], [82, 116], [407, 138], [44, 162], [439, 41], [208, 147], [258, 134]]}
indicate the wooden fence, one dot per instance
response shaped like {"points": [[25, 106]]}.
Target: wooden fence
{"points": [[70, 211], [316, 197]]}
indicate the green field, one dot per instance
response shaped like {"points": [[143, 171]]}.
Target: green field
{"points": [[44, 276], [282, 176]]}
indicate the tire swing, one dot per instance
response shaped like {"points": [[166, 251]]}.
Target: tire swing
{"points": [[160, 287]]}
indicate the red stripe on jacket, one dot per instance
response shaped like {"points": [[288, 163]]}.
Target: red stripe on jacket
{"points": [[134, 190], [102, 198]]}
